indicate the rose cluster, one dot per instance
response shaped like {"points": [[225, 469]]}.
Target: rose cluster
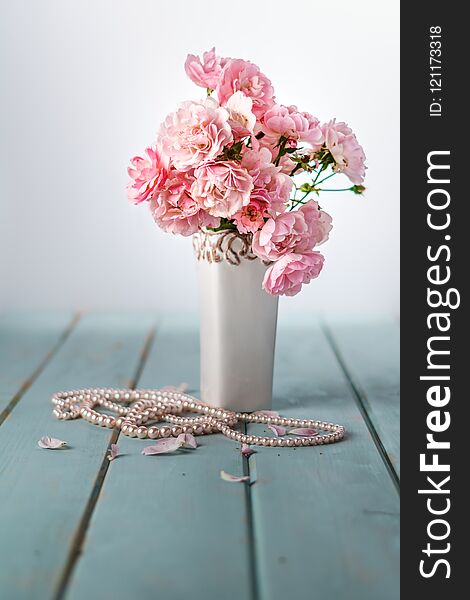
{"points": [[239, 160]]}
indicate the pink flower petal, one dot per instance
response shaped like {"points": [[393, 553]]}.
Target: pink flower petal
{"points": [[113, 452], [278, 430], [50, 443], [305, 431], [247, 450], [187, 440], [233, 478], [163, 446], [266, 413]]}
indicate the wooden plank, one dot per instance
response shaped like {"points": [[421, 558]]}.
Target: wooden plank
{"points": [[27, 341], [43, 494], [325, 518], [167, 526], [370, 355]]}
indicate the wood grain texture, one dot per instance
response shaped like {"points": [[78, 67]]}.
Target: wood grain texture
{"points": [[326, 518], [44, 493], [168, 526], [316, 522], [370, 354], [26, 343]]}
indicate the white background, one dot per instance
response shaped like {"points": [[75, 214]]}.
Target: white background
{"points": [[84, 85]]}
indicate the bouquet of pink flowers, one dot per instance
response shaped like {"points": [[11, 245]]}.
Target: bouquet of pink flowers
{"points": [[243, 162]]}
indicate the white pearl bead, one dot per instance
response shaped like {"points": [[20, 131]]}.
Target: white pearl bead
{"points": [[150, 405], [152, 432]]}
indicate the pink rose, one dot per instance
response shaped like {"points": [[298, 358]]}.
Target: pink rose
{"points": [[244, 76], [148, 174], [259, 164], [295, 231], [279, 188], [346, 151], [318, 223], [281, 235], [241, 117], [287, 275], [174, 209], [288, 122], [197, 132], [222, 187], [269, 177], [251, 217], [207, 73]]}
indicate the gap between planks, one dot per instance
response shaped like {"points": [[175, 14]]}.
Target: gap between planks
{"points": [[80, 535], [359, 398], [79, 538], [254, 583], [40, 368]]}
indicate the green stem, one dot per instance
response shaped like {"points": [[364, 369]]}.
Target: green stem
{"points": [[282, 147], [339, 190], [325, 178], [316, 178], [301, 201], [296, 168]]}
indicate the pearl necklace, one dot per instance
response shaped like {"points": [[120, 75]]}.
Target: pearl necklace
{"points": [[136, 407]]}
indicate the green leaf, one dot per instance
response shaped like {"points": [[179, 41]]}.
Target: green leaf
{"points": [[224, 224]]}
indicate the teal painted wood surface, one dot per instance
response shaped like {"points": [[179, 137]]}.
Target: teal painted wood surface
{"points": [[169, 520], [26, 343], [325, 518], [315, 522], [44, 494], [369, 352]]}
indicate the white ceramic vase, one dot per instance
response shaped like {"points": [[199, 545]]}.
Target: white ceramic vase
{"points": [[237, 323]]}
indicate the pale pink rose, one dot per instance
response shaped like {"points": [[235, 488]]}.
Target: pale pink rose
{"points": [[318, 223], [287, 275], [251, 217], [346, 150], [206, 73], [148, 174], [265, 175], [195, 133], [259, 164], [174, 209], [241, 117], [279, 189], [281, 235], [286, 164], [244, 76], [288, 122], [222, 187]]}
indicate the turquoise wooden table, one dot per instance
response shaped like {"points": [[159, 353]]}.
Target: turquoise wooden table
{"points": [[316, 522]]}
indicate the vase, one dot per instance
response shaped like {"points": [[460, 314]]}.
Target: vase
{"points": [[237, 323]]}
